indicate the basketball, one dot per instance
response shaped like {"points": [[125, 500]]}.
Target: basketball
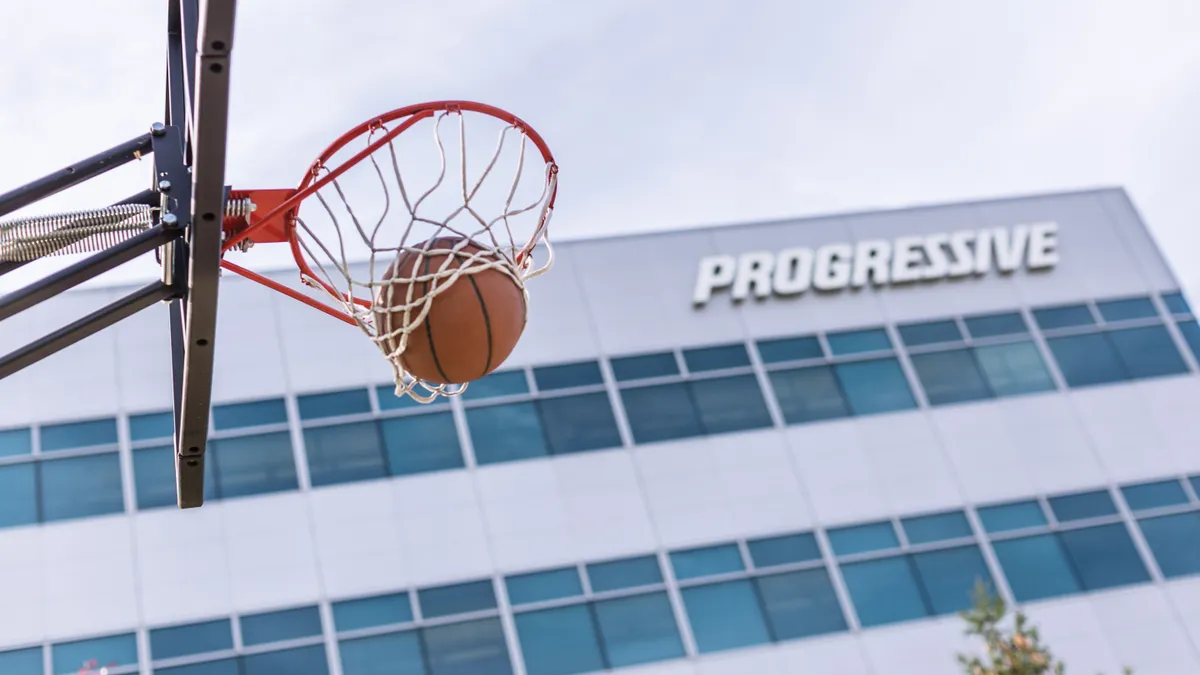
{"points": [[472, 325]]}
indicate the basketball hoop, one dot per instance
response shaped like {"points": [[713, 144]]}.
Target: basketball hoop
{"points": [[385, 189]]}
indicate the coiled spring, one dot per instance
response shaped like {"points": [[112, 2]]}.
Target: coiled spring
{"points": [[27, 239]]}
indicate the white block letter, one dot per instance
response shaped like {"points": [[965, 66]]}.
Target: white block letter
{"points": [[753, 272], [939, 264], [907, 259], [1043, 245], [871, 262], [960, 250], [793, 271], [1010, 247], [832, 269], [716, 271]]}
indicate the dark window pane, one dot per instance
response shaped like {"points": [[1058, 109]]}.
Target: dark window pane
{"points": [[936, 527], [421, 443], [1065, 316], [994, 325], [931, 332], [790, 349], [644, 366], [627, 573], [193, 638], [288, 624], [1104, 556], [884, 591], [539, 586], [1083, 505], [808, 394], [1013, 516], [579, 423], [18, 495], [79, 487], [716, 358], [1195, 481], [863, 538], [112, 651], [568, 375], [1176, 303], [1014, 368], [390, 654], [800, 604], [388, 400], [78, 434], [224, 667], [334, 404], [703, 562], [638, 629], [1087, 360], [875, 386], [1175, 542], [949, 577], [730, 404], [154, 477], [472, 596], [499, 383], [725, 616], [1148, 351], [791, 548], [150, 426], [950, 377], [344, 453], [1191, 334], [382, 610], [470, 648], [1036, 567], [299, 661], [15, 442], [858, 341], [560, 641], [1154, 495], [661, 412], [22, 662], [506, 433], [252, 414], [1127, 309], [251, 465]]}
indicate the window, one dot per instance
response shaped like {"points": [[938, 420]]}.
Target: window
{"points": [[928, 333], [1087, 360], [1127, 310], [725, 615], [344, 453], [15, 442], [1176, 303], [78, 434], [151, 426], [568, 375], [456, 599], [1014, 368], [421, 443], [716, 358], [800, 604], [499, 383], [1191, 334], [250, 465], [334, 404], [1154, 495], [288, 624], [22, 662], [784, 550], [558, 425], [950, 377], [383, 654], [1012, 516], [904, 587], [1064, 316], [790, 349], [381, 610], [644, 366], [79, 487], [863, 538], [67, 658], [1082, 506], [579, 423], [936, 527], [859, 341], [702, 562], [533, 587], [996, 325], [626, 573], [154, 476], [559, 641], [1175, 542], [250, 414], [506, 433], [195, 638], [298, 661], [18, 494], [1148, 351], [697, 407], [874, 386], [808, 394], [468, 648], [1059, 563], [222, 667], [638, 629], [396, 446]]}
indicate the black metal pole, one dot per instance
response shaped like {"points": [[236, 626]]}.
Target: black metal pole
{"points": [[72, 175]]}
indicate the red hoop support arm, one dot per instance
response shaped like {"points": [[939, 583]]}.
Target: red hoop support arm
{"points": [[290, 292]]}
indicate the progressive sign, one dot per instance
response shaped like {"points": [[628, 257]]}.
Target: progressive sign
{"points": [[878, 262]]}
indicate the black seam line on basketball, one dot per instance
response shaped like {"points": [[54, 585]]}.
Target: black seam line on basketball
{"points": [[487, 322], [429, 327]]}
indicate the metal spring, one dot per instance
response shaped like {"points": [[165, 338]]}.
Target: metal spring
{"points": [[27, 239]]}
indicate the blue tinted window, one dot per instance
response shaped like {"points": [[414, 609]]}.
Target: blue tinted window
{"points": [[994, 325], [499, 383], [937, 527], [1087, 360], [1066, 316], [1191, 334], [381, 610], [859, 341], [728, 404], [1148, 351], [252, 414], [716, 358], [79, 487], [949, 577], [568, 375], [288, 624], [1104, 556], [1175, 542], [791, 548], [1014, 368], [344, 453], [638, 629], [1176, 303], [863, 538], [506, 433], [154, 477], [117, 650], [790, 349], [661, 412], [644, 366], [468, 648], [1036, 567], [472, 596], [22, 662], [1127, 309], [875, 386], [559, 641], [702, 562], [78, 434], [931, 332], [298, 661], [579, 423], [884, 591], [151, 426], [421, 443], [18, 495], [950, 377], [333, 404], [1154, 495], [388, 400], [800, 604], [1014, 516], [1082, 505], [15, 442], [725, 616], [251, 465], [223, 667], [1195, 481], [539, 586], [194, 638], [627, 573], [808, 394], [390, 654]]}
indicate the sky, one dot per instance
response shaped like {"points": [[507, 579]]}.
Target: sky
{"points": [[665, 114]]}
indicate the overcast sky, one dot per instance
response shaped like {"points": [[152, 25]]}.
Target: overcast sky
{"points": [[669, 113]]}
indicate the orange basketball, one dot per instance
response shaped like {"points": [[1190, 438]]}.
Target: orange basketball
{"points": [[472, 325]]}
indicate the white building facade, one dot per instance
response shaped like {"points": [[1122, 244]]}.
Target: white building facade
{"points": [[778, 448]]}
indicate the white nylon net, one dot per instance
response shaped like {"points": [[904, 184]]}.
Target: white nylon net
{"points": [[421, 185]]}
